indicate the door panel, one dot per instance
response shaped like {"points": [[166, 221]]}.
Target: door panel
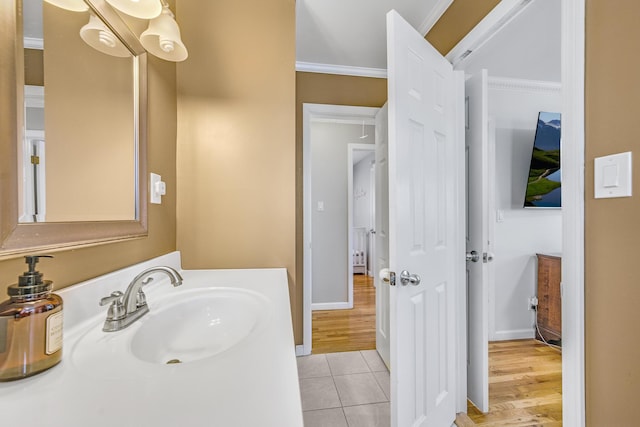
{"points": [[476, 142], [423, 191]]}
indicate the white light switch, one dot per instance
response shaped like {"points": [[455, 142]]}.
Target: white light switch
{"points": [[320, 206], [612, 176], [157, 189]]}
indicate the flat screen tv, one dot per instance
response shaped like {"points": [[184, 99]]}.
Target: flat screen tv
{"points": [[543, 186]]}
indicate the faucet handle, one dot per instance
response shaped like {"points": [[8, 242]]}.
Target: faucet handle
{"points": [[116, 309], [115, 295]]}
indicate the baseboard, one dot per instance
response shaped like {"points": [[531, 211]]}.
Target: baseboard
{"points": [[300, 351], [331, 306], [516, 334]]}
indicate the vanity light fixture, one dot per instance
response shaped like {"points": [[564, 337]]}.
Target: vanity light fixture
{"points": [[72, 5], [97, 35], [162, 38], [143, 9]]}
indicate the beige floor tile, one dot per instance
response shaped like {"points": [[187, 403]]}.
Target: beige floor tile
{"points": [[313, 366], [348, 362], [359, 389], [374, 360], [376, 415], [384, 381], [325, 418], [318, 393]]}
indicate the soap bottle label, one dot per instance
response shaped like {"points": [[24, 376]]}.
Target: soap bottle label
{"points": [[54, 333]]}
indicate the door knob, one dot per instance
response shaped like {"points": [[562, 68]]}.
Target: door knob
{"points": [[473, 256], [406, 278]]}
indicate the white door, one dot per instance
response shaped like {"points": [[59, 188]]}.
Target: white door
{"points": [[426, 161], [476, 145], [383, 342]]}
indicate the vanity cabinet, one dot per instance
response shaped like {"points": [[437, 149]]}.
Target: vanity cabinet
{"points": [[549, 313]]}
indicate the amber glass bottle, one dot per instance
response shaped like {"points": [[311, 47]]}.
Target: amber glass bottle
{"points": [[30, 326]]}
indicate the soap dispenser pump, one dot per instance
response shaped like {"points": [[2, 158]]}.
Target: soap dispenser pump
{"points": [[30, 325]]}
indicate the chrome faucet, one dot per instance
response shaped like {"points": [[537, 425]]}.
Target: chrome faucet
{"points": [[128, 307]]}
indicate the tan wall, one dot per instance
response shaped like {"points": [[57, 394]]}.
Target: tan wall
{"points": [[457, 21], [33, 67], [316, 88], [236, 147], [73, 266], [89, 126], [611, 229]]}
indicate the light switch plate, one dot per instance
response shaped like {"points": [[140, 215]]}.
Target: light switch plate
{"points": [[612, 176], [157, 189]]}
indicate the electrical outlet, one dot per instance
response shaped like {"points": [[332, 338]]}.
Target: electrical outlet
{"points": [[533, 303]]}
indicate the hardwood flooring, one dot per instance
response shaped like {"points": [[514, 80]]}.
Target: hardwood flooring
{"points": [[525, 386], [347, 330], [525, 376]]}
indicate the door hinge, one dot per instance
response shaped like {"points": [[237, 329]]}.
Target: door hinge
{"points": [[35, 160]]}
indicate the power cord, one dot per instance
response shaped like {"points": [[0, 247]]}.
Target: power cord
{"points": [[556, 347]]}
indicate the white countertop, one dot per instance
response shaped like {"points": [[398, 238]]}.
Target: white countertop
{"points": [[254, 384]]}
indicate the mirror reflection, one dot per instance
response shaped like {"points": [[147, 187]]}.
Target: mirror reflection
{"points": [[77, 159]]}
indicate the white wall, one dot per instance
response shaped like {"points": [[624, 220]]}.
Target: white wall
{"points": [[513, 110], [329, 258], [527, 48]]}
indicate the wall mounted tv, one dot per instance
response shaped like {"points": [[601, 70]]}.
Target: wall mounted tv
{"points": [[543, 187]]}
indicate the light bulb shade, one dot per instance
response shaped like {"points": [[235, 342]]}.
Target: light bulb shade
{"points": [[162, 38], [97, 35], [143, 9], [72, 5]]}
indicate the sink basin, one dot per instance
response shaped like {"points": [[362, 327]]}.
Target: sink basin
{"points": [[198, 325], [182, 327]]}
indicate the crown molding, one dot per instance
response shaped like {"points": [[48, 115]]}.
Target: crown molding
{"points": [[33, 43], [345, 70], [504, 83]]}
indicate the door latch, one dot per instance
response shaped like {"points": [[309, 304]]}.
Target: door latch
{"points": [[388, 276]]}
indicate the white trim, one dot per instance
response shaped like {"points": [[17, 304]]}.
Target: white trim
{"points": [[33, 43], [460, 237], [573, 147], [318, 112], [33, 96], [515, 334], [345, 70], [434, 16], [500, 16], [300, 351], [331, 306], [536, 86]]}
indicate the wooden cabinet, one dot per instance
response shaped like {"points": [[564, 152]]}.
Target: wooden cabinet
{"points": [[549, 303]]}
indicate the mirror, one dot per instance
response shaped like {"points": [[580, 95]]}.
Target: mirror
{"points": [[73, 152]]}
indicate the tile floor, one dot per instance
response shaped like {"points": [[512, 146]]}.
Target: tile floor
{"points": [[349, 389]]}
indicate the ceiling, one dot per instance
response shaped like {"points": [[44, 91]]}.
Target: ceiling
{"points": [[352, 33]]}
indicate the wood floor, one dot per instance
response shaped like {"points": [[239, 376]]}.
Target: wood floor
{"points": [[525, 376], [347, 330], [525, 386]]}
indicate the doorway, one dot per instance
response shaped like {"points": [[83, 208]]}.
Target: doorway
{"points": [[495, 45], [336, 238]]}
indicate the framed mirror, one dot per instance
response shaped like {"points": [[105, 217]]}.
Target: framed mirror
{"points": [[73, 128]]}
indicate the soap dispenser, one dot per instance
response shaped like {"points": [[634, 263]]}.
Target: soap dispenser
{"points": [[30, 326]]}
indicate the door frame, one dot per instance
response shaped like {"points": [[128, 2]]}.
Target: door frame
{"points": [[573, 164], [311, 113]]}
